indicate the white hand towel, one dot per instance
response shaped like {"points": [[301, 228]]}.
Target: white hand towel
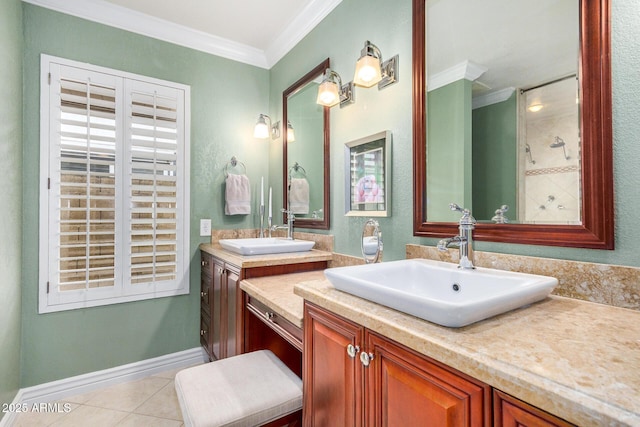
{"points": [[299, 196], [237, 195]]}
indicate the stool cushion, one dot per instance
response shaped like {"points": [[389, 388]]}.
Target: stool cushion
{"points": [[245, 390]]}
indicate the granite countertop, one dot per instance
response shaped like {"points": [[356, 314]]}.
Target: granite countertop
{"points": [[276, 292], [577, 360], [251, 261]]}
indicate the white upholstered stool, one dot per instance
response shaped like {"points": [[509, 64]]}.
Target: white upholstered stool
{"points": [[250, 389]]}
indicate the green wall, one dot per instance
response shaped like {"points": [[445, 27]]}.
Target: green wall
{"points": [[495, 158], [449, 162], [226, 97], [11, 42]]}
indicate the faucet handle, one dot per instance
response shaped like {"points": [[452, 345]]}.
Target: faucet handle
{"points": [[466, 218], [455, 207]]}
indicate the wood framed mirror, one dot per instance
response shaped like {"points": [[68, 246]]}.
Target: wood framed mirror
{"points": [[596, 226], [307, 155]]}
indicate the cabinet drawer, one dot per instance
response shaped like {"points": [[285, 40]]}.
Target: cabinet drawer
{"points": [[279, 324], [206, 264], [511, 412], [205, 332], [206, 287]]}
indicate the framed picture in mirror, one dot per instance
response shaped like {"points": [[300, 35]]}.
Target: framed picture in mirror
{"points": [[367, 163]]}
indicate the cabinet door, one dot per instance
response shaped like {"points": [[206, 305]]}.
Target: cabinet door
{"points": [[511, 412], [216, 308], [404, 388], [332, 379], [231, 279]]}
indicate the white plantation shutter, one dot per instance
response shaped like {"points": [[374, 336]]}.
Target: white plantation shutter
{"points": [[82, 177], [153, 187], [114, 207]]}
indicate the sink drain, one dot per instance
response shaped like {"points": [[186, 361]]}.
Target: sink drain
{"points": [[456, 287]]}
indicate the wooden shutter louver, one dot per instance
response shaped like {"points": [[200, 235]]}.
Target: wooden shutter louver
{"points": [[86, 174], [153, 188]]}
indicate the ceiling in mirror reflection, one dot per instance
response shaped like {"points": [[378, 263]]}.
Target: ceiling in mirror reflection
{"points": [[520, 43]]}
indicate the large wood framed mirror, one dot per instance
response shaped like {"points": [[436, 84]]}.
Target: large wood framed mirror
{"points": [[305, 150], [593, 227]]}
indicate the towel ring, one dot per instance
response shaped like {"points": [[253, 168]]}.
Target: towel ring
{"points": [[296, 167], [233, 163]]}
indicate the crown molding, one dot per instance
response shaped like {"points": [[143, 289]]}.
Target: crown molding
{"points": [[116, 16], [464, 70], [298, 28], [492, 98]]}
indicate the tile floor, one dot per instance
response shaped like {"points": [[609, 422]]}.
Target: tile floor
{"points": [[150, 401]]}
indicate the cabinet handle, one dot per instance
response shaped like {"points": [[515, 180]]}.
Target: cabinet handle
{"points": [[352, 350], [203, 294], [204, 263], [202, 332], [366, 358], [220, 270], [269, 315]]}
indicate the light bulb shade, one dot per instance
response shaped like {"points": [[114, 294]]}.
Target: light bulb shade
{"points": [[261, 130], [328, 94], [368, 72], [291, 137], [534, 108]]}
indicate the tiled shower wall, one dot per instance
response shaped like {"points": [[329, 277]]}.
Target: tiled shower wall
{"points": [[552, 183]]}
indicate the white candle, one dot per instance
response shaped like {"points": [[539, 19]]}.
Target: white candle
{"points": [[270, 213], [262, 191]]}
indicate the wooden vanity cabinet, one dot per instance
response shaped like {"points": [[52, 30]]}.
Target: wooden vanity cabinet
{"points": [[222, 304], [218, 295], [511, 412], [353, 376]]}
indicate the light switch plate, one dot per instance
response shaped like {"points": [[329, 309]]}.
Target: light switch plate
{"points": [[205, 227]]}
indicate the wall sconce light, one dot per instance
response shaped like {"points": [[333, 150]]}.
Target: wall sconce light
{"points": [[262, 130], [291, 137], [331, 91], [371, 70]]}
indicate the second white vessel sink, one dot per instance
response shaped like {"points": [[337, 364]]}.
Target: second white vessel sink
{"points": [[265, 245], [440, 292]]}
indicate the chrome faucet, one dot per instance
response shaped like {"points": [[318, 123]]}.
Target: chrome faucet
{"points": [[289, 226], [464, 240], [500, 217]]}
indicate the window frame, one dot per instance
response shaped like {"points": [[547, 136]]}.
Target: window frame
{"points": [[50, 298]]}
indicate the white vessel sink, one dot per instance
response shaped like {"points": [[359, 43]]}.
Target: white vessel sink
{"points": [[265, 245], [440, 292]]}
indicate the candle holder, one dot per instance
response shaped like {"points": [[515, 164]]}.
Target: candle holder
{"points": [[262, 221]]}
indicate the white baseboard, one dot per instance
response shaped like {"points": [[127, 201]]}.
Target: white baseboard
{"points": [[60, 389]]}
